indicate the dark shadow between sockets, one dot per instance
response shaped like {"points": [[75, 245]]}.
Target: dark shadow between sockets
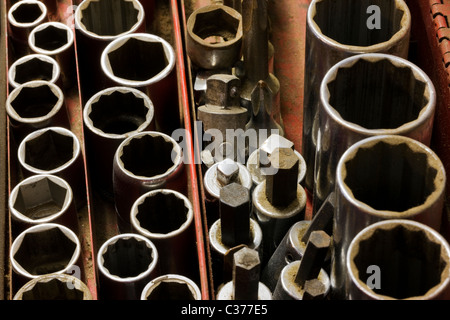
{"points": [[346, 21], [127, 258], [109, 18], [401, 175], [413, 260], [54, 287], [33, 67]]}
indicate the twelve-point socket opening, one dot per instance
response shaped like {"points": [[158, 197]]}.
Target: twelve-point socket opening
{"points": [[153, 205], [41, 197], [171, 289], [49, 150], [35, 101], [349, 22], [127, 257], [409, 259], [377, 94], [400, 177], [148, 155], [110, 18], [45, 249], [119, 113]]}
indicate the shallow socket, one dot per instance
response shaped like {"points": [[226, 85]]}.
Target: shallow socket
{"points": [[109, 18], [148, 154], [40, 197], [149, 209], [27, 13], [401, 175], [377, 93], [345, 21], [411, 257], [33, 67], [51, 38], [148, 59], [44, 249], [127, 257], [54, 287], [34, 101], [171, 287], [117, 112]]}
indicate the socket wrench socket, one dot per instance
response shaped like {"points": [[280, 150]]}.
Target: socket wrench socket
{"points": [[171, 287], [34, 67]]}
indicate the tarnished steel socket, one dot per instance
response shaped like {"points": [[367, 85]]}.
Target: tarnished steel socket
{"points": [[23, 16], [126, 264], [144, 162], [44, 249], [258, 162], [56, 39], [288, 289], [219, 249], [388, 95], [34, 67], [245, 284], [36, 105], [339, 29], [111, 116], [166, 218], [406, 180], [398, 259], [150, 67], [219, 175], [290, 249], [171, 287], [98, 23], [222, 110], [42, 199], [279, 201], [54, 287], [214, 37], [55, 151]]}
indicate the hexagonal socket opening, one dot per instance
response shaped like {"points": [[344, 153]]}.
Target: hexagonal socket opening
{"points": [[127, 257], [138, 60], [409, 260], [216, 26], [27, 12], [148, 156], [171, 206], [49, 150], [54, 289], [45, 251], [171, 290], [400, 177], [377, 94], [35, 101], [346, 21], [110, 17], [51, 38], [34, 69], [40, 199], [118, 113]]}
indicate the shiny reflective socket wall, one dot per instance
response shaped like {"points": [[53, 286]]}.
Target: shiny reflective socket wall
{"points": [[335, 30], [368, 95], [406, 180]]}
